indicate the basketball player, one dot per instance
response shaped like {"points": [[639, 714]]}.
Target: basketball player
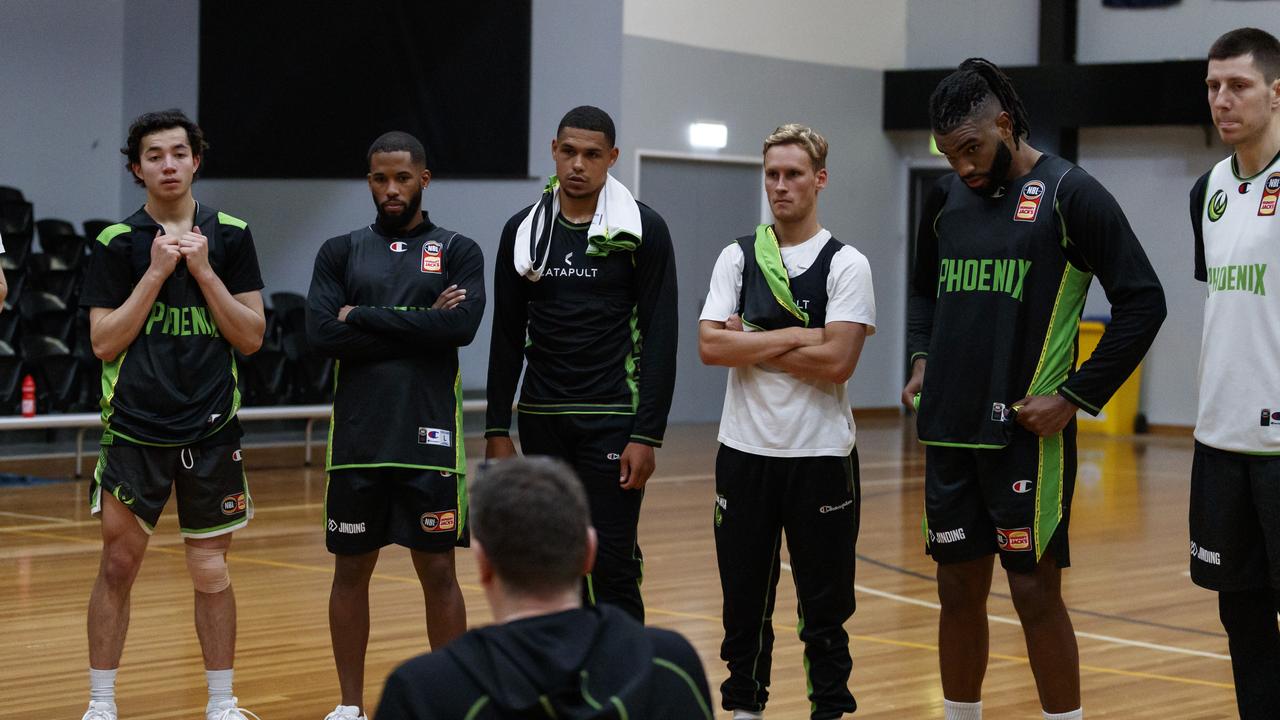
{"points": [[585, 303], [1235, 476], [787, 460], [171, 291], [392, 302], [1007, 248]]}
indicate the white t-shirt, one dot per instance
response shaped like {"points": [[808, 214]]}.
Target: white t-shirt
{"points": [[768, 411]]}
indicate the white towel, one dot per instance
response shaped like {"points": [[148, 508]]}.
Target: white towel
{"points": [[617, 215]]}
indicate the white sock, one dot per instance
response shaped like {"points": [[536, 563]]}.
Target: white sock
{"points": [[353, 708], [219, 685], [1077, 714], [102, 686], [748, 715], [961, 710]]}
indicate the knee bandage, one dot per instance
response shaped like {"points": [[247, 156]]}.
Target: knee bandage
{"points": [[208, 568]]}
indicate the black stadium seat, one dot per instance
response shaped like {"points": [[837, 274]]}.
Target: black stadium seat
{"points": [[56, 372], [44, 313], [312, 372], [10, 380], [54, 275], [58, 238], [264, 377]]}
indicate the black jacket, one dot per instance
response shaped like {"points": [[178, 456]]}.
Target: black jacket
{"points": [[574, 665]]}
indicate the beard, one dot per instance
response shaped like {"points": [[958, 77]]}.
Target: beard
{"points": [[397, 221], [997, 174]]}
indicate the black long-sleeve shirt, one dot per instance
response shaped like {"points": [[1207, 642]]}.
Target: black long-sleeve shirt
{"points": [[597, 334], [997, 291], [397, 396]]}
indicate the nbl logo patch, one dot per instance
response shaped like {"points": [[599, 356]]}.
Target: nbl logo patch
{"points": [[443, 521], [234, 504], [431, 260], [1029, 201], [1270, 195]]}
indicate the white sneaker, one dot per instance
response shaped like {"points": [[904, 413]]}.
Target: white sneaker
{"points": [[748, 715], [227, 710], [100, 711], [346, 712]]}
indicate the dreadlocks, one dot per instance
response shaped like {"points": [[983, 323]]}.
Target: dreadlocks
{"points": [[972, 87]]}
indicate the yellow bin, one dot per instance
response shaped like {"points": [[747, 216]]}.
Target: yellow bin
{"points": [[1118, 415]]}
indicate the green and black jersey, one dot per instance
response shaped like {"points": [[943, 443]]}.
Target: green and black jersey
{"points": [[176, 382], [397, 386], [997, 292], [597, 333]]}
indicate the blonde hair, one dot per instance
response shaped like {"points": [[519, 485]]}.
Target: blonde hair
{"points": [[814, 145]]}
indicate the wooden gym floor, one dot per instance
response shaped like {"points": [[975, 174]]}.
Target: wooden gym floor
{"points": [[1150, 642]]}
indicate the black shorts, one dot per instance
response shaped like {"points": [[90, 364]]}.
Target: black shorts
{"points": [[1235, 520], [1015, 501], [367, 508], [213, 493]]}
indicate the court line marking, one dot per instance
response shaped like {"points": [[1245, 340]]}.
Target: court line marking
{"points": [[32, 516], [1013, 621], [709, 618], [998, 656]]}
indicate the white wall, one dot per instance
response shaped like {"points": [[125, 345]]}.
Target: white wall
{"points": [[668, 85], [851, 33], [1150, 172], [1178, 32], [60, 99], [942, 33]]}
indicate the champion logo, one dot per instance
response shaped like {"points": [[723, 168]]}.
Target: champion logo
{"points": [[613, 456], [399, 246], [435, 436], [1022, 487], [833, 508]]}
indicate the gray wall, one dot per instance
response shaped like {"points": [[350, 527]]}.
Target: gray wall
{"points": [[667, 86], [941, 33], [60, 105], [1150, 172], [1182, 31]]}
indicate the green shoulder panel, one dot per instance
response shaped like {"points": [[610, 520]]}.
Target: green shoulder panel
{"points": [[111, 231], [225, 219]]}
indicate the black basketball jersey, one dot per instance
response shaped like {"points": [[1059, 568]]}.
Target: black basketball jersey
{"points": [[397, 386], [176, 382], [999, 286]]}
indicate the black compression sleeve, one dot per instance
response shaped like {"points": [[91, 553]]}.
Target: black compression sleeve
{"points": [[924, 277], [658, 323], [428, 328], [506, 344], [1098, 236], [1197, 212], [328, 335]]}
